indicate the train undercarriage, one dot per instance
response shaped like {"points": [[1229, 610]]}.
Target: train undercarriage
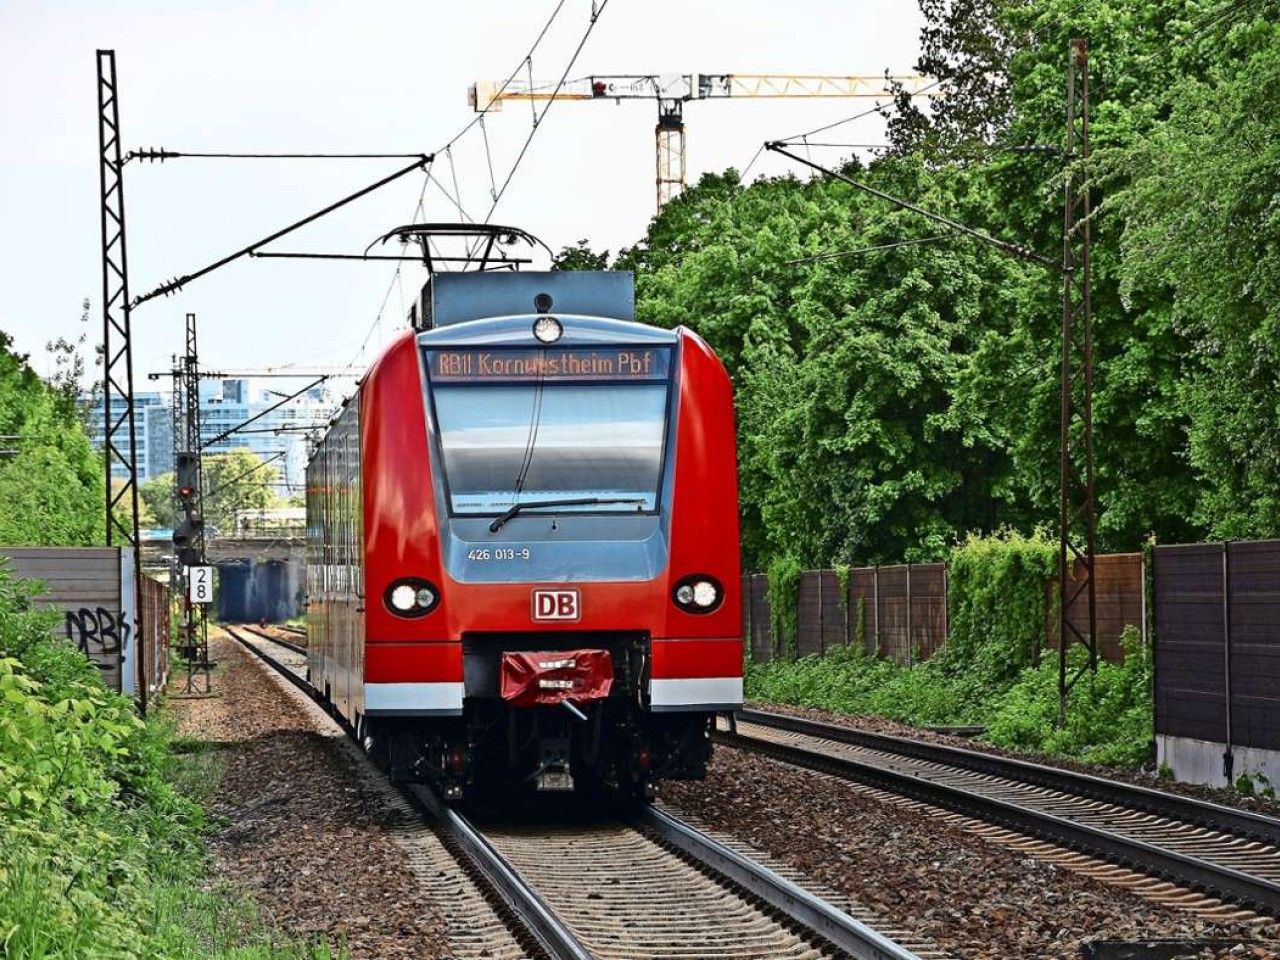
{"points": [[499, 748]]}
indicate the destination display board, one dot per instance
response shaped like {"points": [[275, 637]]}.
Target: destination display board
{"points": [[527, 365]]}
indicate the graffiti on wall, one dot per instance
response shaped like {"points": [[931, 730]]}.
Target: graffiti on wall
{"points": [[97, 630]]}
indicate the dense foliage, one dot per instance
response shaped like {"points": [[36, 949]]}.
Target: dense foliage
{"points": [[990, 671], [50, 478], [894, 398], [99, 851], [237, 480]]}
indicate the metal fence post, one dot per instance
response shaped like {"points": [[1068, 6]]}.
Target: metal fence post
{"points": [[910, 655], [1228, 760], [946, 605], [822, 626], [848, 587], [1142, 602], [875, 593]]}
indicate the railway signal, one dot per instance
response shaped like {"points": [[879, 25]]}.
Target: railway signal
{"points": [[673, 91]]}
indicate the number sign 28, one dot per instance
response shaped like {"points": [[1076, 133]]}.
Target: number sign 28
{"points": [[200, 584]]}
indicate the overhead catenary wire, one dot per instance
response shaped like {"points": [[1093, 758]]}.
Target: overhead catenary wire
{"points": [[838, 254], [479, 118], [742, 177], [1013, 249], [258, 416], [179, 282], [876, 108], [849, 146], [596, 11], [240, 476]]}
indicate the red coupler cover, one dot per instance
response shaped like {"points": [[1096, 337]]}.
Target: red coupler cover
{"points": [[531, 678]]}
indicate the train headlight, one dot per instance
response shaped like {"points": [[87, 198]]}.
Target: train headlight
{"points": [[403, 598], [411, 597], [547, 329], [698, 594], [705, 594]]}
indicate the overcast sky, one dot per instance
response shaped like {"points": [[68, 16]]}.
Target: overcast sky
{"points": [[197, 75]]}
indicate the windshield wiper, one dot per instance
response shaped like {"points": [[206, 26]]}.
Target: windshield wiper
{"points": [[515, 509]]}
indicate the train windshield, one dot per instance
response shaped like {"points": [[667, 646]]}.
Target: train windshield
{"points": [[520, 425]]}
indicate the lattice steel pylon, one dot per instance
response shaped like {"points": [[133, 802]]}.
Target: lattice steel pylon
{"points": [[1076, 509], [188, 448], [117, 345]]}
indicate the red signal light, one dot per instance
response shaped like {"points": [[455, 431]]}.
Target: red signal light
{"points": [[598, 88], [185, 492]]}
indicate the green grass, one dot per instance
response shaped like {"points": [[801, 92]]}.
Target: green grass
{"points": [[1108, 715]]}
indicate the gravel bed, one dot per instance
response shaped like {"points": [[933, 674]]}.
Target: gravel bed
{"points": [[973, 897], [295, 828], [873, 724]]}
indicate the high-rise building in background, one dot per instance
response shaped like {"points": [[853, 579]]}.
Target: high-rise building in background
{"points": [[278, 435], [151, 426]]}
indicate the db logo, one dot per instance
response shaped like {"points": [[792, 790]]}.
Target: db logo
{"points": [[556, 605]]}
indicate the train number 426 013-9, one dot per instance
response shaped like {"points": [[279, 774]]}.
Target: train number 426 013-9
{"points": [[486, 554]]}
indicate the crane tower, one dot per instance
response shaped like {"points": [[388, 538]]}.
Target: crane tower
{"points": [[672, 91]]}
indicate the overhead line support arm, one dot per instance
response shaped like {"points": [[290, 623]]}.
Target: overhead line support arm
{"points": [[177, 284]]}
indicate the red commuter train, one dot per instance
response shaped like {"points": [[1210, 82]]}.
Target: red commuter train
{"points": [[523, 563]]}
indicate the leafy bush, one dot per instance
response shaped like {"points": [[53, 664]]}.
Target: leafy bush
{"points": [[998, 604], [784, 598], [1108, 712], [985, 674], [99, 852]]}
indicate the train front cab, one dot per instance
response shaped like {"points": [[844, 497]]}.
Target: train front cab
{"points": [[458, 424]]}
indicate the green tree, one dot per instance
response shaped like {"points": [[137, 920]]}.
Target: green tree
{"points": [[892, 398], [50, 478], [237, 480], [157, 494], [580, 256], [1198, 201]]}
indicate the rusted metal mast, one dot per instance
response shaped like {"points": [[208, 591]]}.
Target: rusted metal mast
{"points": [[1077, 610]]}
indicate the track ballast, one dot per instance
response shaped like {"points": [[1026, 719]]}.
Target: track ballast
{"points": [[1226, 853], [646, 884]]}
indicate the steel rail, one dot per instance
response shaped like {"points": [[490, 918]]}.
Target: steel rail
{"points": [[1228, 820], [1214, 879], [551, 933], [798, 905], [287, 644], [297, 679]]}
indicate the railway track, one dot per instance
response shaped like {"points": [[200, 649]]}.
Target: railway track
{"points": [[287, 644], [643, 884], [1229, 854]]}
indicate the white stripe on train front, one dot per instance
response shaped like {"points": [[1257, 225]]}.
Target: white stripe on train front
{"points": [[413, 699], [695, 693]]}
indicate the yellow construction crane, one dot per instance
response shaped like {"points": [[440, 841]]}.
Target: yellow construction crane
{"points": [[672, 91]]}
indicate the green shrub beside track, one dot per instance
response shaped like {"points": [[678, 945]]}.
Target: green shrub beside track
{"points": [[100, 851], [991, 671]]}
